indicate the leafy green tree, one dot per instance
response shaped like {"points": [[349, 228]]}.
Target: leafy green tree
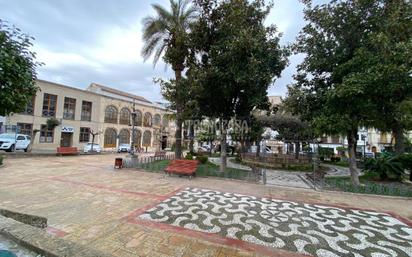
{"points": [[290, 129], [167, 34], [17, 69], [383, 66], [326, 93], [238, 58]]}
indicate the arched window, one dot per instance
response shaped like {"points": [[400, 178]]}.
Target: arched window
{"points": [[110, 114], [110, 138], [157, 120], [124, 136], [125, 116], [147, 138], [165, 121], [147, 121], [137, 140], [139, 118]]}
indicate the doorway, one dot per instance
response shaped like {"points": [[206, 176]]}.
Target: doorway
{"points": [[164, 142], [66, 139]]}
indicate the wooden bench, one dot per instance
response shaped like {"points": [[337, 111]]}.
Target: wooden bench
{"points": [[159, 155], [67, 151], [182, 167]]}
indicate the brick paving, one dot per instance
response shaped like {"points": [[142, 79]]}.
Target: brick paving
{"points": [[87, 202]]}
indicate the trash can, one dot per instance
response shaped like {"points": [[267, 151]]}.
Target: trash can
{"points": [[118, 163]]}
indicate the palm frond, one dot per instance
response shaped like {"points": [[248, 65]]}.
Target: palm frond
{"points": [[166, 24]]}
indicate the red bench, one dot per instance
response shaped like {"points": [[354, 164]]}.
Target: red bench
{"points": [[182, 167], [67, 150]]}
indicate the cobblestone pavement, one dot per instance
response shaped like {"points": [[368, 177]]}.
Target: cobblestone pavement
{"points": [[274, 177], [305, 228], [87, 202]]}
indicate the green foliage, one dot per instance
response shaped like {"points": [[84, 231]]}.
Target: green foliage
{"points": [[202, 159], [239, 57], [341, 149], [335, 159], [189, 156], [369, 186], [406, 160], [386, 167], [325, 152], [167, 34], [204, 170], [52, 122], [17, 69], [290, 128], [356, 70]]}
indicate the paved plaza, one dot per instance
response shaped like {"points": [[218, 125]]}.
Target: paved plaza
{"points": [[134, 213]]}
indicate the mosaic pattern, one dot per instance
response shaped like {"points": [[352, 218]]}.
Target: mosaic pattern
{"points": [[287, 178], [304, 228]]}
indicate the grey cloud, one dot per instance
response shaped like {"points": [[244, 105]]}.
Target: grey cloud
{"points": [[79, 26]]}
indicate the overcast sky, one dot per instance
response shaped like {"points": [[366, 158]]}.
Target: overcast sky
{"points": [[84, 41]]}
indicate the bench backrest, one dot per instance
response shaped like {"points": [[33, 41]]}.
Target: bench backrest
{"points": [[67, 149]]}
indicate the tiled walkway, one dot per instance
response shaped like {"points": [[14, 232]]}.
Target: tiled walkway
{"points": [[86, 201], [305, 228]]}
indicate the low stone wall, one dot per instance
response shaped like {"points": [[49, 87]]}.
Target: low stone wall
{"points": [[28, 219], [39, 241]]}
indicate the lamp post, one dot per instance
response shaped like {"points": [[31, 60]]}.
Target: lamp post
{"points": [[133, 129], [363, 137]]}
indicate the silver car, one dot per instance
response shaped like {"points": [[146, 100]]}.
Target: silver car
{"points": [[124, 148]]}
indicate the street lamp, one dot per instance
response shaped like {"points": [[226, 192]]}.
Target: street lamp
{"points": [[363, 137], [133, 129]]}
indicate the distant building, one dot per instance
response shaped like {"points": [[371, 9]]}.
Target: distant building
{"points": [[275, 100], [99, 109]]}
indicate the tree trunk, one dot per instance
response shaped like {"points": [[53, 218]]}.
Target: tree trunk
{"points": [[257, 148], [210, 147], [242, 146], [223, 160], [297, 150], [398, 134], [192, 137], [352, 143], [179, 120]]}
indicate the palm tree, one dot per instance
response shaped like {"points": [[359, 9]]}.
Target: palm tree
{"points": [[166, 34]]}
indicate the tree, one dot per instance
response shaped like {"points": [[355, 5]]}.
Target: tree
{"points": [[94, 134], [326, 93], [290, 129], [238, 58], [167, 35], [384, 67], [17, 69]]}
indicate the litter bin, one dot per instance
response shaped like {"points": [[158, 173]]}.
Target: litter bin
{"points": [[118, 163]]}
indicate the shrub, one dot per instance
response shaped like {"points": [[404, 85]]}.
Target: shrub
{"points": [[386, 166], [335, 159], [325, 152], [202, 159], [189, 156], [52, 123]]}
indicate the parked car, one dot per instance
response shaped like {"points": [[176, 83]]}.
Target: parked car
{"points": [[230, 149], [88, 148], [124, 148], [12, 142], [203, 148]]}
